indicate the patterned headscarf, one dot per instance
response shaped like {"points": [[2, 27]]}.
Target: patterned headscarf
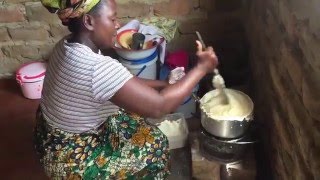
{"points": [[67, 9]]}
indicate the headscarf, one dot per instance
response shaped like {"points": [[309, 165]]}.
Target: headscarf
{"points": [[67, 9]]}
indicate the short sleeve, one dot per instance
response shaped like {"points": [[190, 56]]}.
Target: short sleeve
{"points": [[108, 77]]}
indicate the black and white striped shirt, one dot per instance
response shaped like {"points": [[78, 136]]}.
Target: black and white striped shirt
{"points": [[78, 85]]}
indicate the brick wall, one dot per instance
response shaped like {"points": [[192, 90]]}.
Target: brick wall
{"points": [[285, 59], [28, 31]]}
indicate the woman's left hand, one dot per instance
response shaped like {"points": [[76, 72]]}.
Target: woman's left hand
{"points": [[176, 74]]}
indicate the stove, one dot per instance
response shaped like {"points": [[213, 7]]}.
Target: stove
{"points": [[225, 150]]}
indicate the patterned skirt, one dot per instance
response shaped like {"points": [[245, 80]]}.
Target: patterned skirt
{"points": [[124, 147]]}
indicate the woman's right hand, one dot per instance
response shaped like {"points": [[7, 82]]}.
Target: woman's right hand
{"points": [[208, 59]]}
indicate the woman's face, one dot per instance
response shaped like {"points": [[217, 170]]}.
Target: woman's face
{"points": [[106, 25]]}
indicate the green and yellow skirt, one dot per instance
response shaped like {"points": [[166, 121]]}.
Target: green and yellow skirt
{"points": [[124, 147]]}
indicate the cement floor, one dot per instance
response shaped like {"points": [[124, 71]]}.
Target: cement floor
{"points": [[17, 156]]}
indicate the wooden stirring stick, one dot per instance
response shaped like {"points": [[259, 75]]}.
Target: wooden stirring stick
{"points": [[221, 95], [201, 40]]}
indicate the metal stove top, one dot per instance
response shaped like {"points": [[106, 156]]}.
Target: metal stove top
{"points": [[225, 150]]}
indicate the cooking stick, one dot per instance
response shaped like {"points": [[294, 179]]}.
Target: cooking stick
{"points": [[224, 98], [201, 40], [204, 47]]}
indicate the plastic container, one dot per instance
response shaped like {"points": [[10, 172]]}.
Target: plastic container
{"points": [[30, 78], [143, 68], [124, 38], [175, 127], [188, 107], [178, 58]]}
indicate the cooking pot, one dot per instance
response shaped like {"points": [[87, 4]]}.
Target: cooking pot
{"points": [[226, 128]]}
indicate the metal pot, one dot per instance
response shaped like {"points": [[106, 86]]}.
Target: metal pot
{"points": [[229, 129], [224, 128]]}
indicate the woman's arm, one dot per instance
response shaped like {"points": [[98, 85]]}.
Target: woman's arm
{"points": [[156, 84], [137, 97]]}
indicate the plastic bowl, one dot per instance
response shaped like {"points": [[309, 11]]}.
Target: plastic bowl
{"points": [[124, 38], [122, 46]]}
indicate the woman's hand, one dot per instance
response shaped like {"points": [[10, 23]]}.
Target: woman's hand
{"points": [[176, 74], [207, 58]]}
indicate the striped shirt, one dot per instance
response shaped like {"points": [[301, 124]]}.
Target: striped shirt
{"points": [[78, 86]]}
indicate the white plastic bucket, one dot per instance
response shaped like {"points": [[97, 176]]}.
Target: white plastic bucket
{"points": [[144, 68], [30, 77], [188, 107]]}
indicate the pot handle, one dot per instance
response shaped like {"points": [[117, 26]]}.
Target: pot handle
{"points": [[250, 141], [195, 97]]}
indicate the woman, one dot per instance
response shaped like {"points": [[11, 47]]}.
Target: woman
{"points": [[81, 132]]}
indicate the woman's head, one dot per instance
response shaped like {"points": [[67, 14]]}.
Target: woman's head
{"points": [[75, 24], [94, 18], [101, 24]]}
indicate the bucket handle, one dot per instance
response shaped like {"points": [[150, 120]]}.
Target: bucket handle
{"points": [[142, 69], [33, 77], [19, 79]]}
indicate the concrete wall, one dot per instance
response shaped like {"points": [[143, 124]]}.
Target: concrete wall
{"points": [[285, 59], [28, 31]]}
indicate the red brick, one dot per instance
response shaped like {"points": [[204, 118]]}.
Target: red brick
{"points": [[29, 52], [123, 21], [22, 51], [291, 57], [29, 33], [311, 92], [207, 4], [17, 1], [37, 12], [196, 4], [12, 13], [173, 8], [45, 50], [58, 30], [1, 54], [6, 50], [203, 4], [132, 9], [228, 5], [4, 36], [188, 27]]}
